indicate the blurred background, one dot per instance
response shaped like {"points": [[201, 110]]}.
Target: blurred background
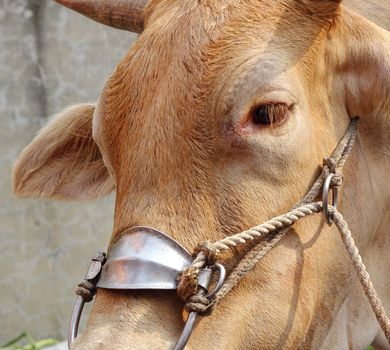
{"points": [[50, 58]]}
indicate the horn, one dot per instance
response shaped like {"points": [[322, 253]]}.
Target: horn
{"points": [[121, 14]]}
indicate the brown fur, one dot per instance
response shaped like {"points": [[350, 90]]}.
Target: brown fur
{"points": [[168, 126], [63, 161]]}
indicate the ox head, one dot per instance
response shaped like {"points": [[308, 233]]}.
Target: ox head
{"points": [[218, 118]]}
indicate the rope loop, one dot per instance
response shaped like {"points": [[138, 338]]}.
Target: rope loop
{"points": [[200, 304], [331, 167], [205, 254], [86, 290], [187, 285], [209, 250]]}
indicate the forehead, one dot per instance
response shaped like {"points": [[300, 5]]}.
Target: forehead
{"points": [[190, 48], [216, 35]]}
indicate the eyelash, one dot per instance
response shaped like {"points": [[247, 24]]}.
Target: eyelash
{"points": [[271, 114]]}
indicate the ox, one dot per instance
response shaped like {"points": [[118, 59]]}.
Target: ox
{"points": [[218, 118]]}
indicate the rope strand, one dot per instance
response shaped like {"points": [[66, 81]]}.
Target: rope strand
{"points": [[362, 273]]}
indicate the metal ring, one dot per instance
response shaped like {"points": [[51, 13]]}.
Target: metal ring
{"points": [[325, 198], [187, 331], [221, 278]]}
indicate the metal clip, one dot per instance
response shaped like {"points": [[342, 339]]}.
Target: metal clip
{"points": [[95, 267], [204, 282], [325, 198]]}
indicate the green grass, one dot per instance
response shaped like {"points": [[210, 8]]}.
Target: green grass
{"points": [[26, 342]]}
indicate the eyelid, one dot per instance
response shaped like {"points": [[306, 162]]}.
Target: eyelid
{"points": [[264, 95], [276, 96]]}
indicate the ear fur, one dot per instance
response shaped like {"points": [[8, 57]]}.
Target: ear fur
{"points": [[63, 161], [323, 9], [360, 54]]}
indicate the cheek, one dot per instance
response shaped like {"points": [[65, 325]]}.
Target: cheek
{"points": [[278, 156]]}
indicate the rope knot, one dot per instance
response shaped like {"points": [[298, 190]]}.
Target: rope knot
{"points": [[331, 167], [209, 251], [205, 254], [187, 285], [200, 304], [86, 290], [337, 180]]}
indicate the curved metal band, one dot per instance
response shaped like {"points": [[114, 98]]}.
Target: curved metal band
{"points": [[75, 320], [190, 323], [325, 198]]}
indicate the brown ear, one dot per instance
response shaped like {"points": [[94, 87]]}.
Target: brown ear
{"points": [[63, 161], [360, 54]]}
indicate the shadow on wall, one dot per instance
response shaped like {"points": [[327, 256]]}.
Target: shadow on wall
{"points": [[50, 58]]}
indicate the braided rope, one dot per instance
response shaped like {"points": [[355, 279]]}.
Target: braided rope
{"points": [[362, 273], [187, 284], [274, 224], [249, 261], [277, 228]]}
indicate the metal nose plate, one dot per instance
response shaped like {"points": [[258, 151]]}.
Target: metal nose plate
{"points": [[143, 258]]}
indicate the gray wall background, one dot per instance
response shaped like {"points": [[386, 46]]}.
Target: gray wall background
{"points": [[50, 57]]}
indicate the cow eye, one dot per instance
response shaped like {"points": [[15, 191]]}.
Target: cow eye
{"points": [[269, 114]]}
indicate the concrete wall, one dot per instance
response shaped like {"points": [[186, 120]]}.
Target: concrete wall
{"points": [[50, 58]]}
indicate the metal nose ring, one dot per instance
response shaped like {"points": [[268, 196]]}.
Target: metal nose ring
{"points": [[325, 198], [204, 282]]}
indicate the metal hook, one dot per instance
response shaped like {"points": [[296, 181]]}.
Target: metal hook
{"points": [[325, 198]]}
